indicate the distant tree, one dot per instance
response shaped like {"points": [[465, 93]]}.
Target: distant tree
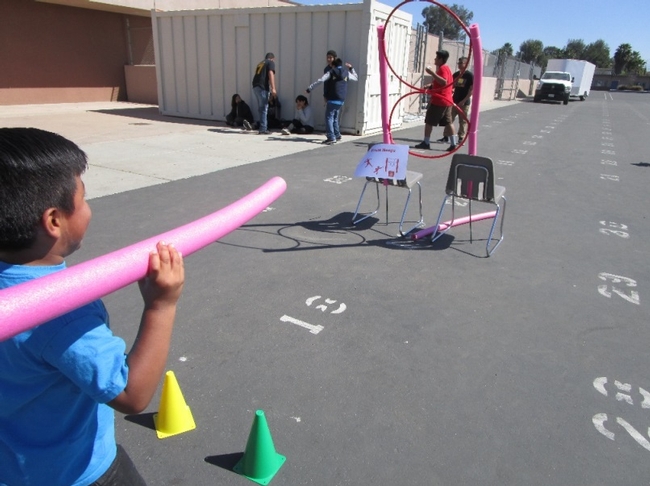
{"points": [[552, 52], [622, 56], [627, 61], [506, 50], [438, 20], [574, 49], [598, 53], [636, 64], [531, 51]]}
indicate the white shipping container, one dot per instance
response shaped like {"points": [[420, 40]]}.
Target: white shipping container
{"points": [[203, 57]]}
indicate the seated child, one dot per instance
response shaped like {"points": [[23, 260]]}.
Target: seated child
{"points": [[61, 381], [303, 120], [240, 113]]}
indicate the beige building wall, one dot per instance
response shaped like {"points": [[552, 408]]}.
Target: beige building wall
{"points": [[54, 54], [60, 51]]}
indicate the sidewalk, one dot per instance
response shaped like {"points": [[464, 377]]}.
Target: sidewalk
{"points": [[131, 145]]}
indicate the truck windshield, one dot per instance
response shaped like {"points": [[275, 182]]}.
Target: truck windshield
{"points": [[560, 76]]}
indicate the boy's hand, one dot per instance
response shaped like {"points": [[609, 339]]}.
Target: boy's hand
{"points": [[164, 282]]}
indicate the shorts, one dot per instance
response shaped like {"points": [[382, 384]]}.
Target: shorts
{"points": [[438, 115], [121, 472]]}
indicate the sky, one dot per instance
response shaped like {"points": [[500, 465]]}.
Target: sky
{"points": [[553, 22]]}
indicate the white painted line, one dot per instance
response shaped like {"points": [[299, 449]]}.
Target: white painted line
{"points": [[338, 179], [643, 442], [312, 329]]}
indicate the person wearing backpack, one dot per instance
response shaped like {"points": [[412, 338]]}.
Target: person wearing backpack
{"points": [[335, 78], [264, 87]]}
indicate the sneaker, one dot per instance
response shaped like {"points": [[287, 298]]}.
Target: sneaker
{"points": [[328, 142], [264, 132], [338, 139], [451, 147], [442, 140], [247, 125], [423, 145], [285, 132]]}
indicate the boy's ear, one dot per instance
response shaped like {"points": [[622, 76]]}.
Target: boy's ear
{"points": [[51, 222]]}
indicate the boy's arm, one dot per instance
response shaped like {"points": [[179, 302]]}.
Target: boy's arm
{"points": [[352, 73], [322, 79], [160, 289], [443, 81], [272, 82]]}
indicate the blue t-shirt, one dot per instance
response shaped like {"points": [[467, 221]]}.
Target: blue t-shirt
{"points": [[55, 380]]}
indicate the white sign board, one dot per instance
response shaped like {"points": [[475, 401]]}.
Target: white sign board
{"points": [[385, 161]]}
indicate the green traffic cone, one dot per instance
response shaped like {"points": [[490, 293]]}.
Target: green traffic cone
{"points": [[260, 462]]}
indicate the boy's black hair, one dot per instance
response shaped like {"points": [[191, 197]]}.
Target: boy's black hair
{"points": [[37, 172], [303, 99]]}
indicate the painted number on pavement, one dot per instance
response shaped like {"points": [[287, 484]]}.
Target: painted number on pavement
{"points": [[617, 285]]}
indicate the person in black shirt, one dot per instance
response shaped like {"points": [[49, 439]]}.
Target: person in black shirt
{"points": [[264, 88], [463, 85]]}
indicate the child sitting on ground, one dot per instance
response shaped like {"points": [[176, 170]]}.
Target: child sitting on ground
{"points": [[61, 381], [303, 120], [240, 113]]}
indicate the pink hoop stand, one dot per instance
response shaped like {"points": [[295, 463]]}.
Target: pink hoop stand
{"points": [[476, 47]]}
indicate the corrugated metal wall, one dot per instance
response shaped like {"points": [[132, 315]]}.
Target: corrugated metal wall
{"points": [[203, 57]]}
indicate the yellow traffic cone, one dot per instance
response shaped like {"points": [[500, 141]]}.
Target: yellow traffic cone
{"points": [[174, 416], [260, 462]]}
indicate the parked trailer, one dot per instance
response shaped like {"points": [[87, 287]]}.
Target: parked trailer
{"points": [[582, 74]]}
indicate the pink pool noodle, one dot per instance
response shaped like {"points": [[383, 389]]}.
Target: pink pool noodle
{"points": [[32, 303], [383, 83], [456, 222], [477, 51]]}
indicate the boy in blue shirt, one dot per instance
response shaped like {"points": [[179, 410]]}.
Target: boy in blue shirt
{"points": [[60, 382]]}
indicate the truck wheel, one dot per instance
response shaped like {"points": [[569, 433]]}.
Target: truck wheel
{"points": [[566, 101], [536, 99], [583, 97]]}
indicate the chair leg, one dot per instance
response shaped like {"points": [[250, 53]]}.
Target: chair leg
{"points": [[437, 233], [420, 221], [501, 211], [356, 211]]}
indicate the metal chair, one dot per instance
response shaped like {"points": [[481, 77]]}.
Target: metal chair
{"points": [[412, 179], [471, 177]]}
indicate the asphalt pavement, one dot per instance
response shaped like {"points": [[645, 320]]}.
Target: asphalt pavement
{"points": [[432, 364]]}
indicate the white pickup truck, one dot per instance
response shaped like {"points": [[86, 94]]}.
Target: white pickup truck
{"points": [[555, 86], [565, 78]]}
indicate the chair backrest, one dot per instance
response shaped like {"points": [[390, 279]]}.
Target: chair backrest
{"points": [[471, 177]]}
